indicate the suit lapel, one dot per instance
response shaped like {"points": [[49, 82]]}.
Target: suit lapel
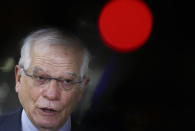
{"points": [[11, 122]]}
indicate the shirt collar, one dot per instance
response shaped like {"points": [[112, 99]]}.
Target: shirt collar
{"points": [[28, 126]]}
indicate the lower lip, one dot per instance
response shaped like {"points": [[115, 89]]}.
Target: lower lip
{"points": [[47, 113]]}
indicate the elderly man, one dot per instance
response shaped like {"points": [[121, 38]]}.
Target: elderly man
{"points": [[50, 79]]}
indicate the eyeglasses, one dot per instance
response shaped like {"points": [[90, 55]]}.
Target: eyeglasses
{"points": [[41, 80]]}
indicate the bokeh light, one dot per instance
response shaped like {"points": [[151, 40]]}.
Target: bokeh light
{"points": [[125, 25]]}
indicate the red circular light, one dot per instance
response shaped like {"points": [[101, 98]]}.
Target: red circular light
{"points": [[125, 25]]}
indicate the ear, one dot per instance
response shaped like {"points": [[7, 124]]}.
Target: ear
{"points": [[83, 86], [17, 77], [86, 82]]}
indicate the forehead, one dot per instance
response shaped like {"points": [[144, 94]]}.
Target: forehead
{"points": [[56, 58]]}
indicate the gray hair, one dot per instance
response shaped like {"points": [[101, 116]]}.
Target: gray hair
{"points": [[54, 36]]}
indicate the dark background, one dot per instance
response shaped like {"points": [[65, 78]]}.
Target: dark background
{"points": [[149, 89]]}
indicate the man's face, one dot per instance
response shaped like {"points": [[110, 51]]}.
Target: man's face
{"points": [[49, 106]]}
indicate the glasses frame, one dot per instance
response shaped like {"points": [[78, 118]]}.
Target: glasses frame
{"points": [[53, 78]]}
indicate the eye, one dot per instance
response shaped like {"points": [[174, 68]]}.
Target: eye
{"points": [[68, 81], [38, 78]]}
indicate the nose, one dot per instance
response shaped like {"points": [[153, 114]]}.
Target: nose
{"points": [[52, 91]]}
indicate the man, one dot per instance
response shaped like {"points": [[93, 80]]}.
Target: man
{"points": [[50, 79]]}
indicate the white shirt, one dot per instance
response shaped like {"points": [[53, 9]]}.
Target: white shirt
{"points": [[28, 126]]}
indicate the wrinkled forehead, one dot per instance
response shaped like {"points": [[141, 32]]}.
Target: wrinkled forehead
{"points": [[62, 46], [56, 56]]}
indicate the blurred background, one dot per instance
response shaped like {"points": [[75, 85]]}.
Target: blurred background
{"points": [[149, 89]]}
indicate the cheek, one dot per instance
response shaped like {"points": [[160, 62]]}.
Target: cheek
{"points": [[27, 96], [70, 100]]}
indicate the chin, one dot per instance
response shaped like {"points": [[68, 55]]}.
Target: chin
{"points": [[42, 122], [48, 124]]}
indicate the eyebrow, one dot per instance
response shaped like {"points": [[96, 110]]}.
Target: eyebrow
{"points": [[38, 68]]}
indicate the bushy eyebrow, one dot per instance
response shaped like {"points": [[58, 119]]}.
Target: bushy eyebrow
{"points": [[36, 69]]}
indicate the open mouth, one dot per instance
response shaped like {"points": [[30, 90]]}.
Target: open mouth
{"points": [[48, 110]]}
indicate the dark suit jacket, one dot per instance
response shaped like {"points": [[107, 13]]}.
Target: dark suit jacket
{"points": [[11, 121]]}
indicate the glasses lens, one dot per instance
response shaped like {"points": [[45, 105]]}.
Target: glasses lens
{"points": [[67, 81], [39, 79]]}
